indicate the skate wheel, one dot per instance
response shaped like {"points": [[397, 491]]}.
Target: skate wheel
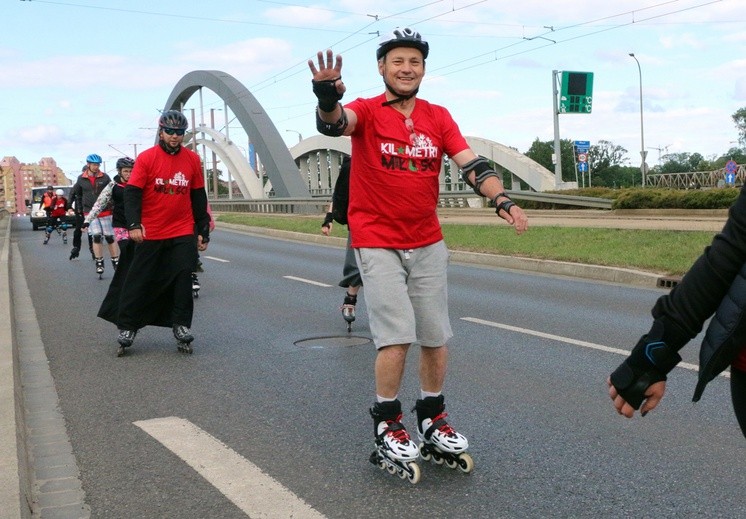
{"points": [[465, 463], [414, 473], [438, 459], [451, 463], [424, 452], [391, 469]]}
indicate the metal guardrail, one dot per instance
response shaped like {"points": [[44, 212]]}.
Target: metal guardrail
{"points": [[319, 205]]}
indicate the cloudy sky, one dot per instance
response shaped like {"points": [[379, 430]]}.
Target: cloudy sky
{"points": [[85, 76]]}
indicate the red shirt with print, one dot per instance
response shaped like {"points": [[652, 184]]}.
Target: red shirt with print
{"points": [[167, 181], [395, 173]]}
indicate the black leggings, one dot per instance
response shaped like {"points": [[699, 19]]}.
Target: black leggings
{"points": [[738, 396]]}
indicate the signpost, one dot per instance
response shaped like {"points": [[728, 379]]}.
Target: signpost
{"points": [[576, 96]]}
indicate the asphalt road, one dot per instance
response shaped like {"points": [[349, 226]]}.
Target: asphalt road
{"points": [[277, 382]]}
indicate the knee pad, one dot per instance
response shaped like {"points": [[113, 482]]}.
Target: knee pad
{"points": [[63, 226], [109, 239], [97, 238], [49, 229]]}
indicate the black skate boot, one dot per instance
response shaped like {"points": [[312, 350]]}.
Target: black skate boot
{"points": [[184, 338], [46, 238], [100, 267], [195, 285], [74, 253], [125, 340], [348, 310], [438, 440], [64, 237], [115, 262], [395, 451]]}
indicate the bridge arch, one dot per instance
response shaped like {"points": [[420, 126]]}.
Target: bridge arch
{"points": [[269, 146]]}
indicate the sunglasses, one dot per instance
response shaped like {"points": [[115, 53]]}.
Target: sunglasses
{"points": [[174, 131], [409, 123]]}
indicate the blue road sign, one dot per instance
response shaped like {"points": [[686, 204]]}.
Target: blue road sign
{"points": [[730, 178], [582, 145], [731, 166], [582, 167]]}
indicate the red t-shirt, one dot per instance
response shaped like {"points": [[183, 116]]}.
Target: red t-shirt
{"points": [[394, 175], [59, 206], [166, 182]]}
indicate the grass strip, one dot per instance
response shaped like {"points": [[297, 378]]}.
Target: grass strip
{"points": [[658, 251]]}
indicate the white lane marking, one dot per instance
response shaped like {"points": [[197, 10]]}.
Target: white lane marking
{"points": [[584, 344], [213, 258], [255, 493], [309, 281]]}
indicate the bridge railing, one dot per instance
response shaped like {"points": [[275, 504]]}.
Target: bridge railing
{"points": [[454, 199]]}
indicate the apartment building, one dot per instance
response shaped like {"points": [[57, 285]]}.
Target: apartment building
{"points": [[17, 179]]}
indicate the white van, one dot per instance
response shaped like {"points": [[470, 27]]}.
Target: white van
{"points": [[38, 215]]}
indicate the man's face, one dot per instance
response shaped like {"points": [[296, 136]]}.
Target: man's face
{"points": [[125, 173], [172, 137], [93, 167], [402, 69]]}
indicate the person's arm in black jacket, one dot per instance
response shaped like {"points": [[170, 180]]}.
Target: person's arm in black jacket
{"points": [[199, 211]]}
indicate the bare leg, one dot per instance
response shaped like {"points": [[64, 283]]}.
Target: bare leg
{"points": [[433, 367], [389, 369]]}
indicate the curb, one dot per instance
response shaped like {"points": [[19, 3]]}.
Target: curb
{"points": [[549, 267]]}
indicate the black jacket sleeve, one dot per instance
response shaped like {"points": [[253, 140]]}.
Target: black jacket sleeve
{"points": [[685, 309], [133, 206], [199, 211]]}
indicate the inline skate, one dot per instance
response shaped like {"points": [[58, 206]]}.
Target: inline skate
{"points": [[439, 442], [348, 310], [125, 340], [195, 285], [115, 262], [183, 337], [395, 451], [100, 267]]}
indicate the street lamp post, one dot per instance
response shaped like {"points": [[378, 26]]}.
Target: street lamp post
{"points": [[643, 153], [300, 137]]}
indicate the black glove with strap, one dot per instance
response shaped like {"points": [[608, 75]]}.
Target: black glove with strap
{"points": [[650, 361]]}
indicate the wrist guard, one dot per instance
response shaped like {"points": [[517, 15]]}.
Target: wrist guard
{"points": [[650, 361], [133, 226], [327, 94], [482, 171], [505, 205], [328, 220], [332, 129]]}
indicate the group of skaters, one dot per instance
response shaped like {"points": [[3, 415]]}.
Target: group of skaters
{"points": [[396, 251], [154, 220]]}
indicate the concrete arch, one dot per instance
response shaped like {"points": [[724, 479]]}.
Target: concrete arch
{"points": [[532, 173], [318, 159], [249, 183], [277, 161]]}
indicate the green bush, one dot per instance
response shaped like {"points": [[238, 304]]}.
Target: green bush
{"points": [[676, 199]]}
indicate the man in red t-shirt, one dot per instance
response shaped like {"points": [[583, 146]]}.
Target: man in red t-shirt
{"points": [[163, 201], [57, 209], [398, 144]]}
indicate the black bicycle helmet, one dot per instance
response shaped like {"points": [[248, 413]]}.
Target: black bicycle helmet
{"points": [[125, 162], [402, 37], [173, 119]]}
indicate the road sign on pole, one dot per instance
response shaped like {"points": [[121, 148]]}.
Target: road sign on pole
{"points": [[576, 96]]}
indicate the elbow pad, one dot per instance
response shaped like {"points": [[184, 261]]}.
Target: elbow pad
{"points": [[650, 361], [482, 171]]}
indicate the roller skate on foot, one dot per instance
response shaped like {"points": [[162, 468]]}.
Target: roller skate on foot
{"points": [[184, 338], [195, 285], [46, 239], [125, 340], [348, 310], [100, 267], [74, 253], [64, 238], [439, 442], [395, 451], [115, 262]]}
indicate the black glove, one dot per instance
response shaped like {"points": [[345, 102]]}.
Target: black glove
{"points": [[650, 361], [327, 94], [328, 219]]}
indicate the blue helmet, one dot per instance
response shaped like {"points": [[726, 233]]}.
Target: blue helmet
{"points": [[93, 159]]}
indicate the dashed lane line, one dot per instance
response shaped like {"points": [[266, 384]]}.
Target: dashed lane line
{"points": [[213, 258], [308, 281], [242, 482], [584, 344]]}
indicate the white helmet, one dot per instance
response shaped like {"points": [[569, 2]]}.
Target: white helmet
{"points": [[59, 192]]}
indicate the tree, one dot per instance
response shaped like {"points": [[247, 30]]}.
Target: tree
{"points": [[542, 152]]}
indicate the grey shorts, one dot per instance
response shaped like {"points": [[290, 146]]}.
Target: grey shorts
{"points": [[406, 295], [101, 225]]}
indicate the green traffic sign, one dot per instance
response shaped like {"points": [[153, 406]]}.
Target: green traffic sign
{"points": [[576, 94]]}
